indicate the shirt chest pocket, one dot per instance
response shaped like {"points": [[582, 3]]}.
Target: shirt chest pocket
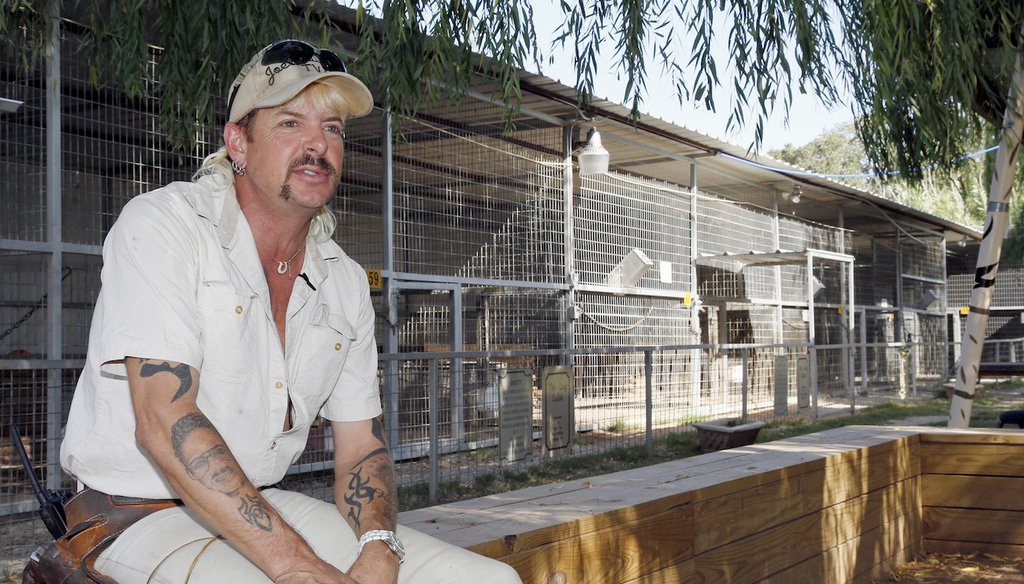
{"points": [[228, 320], [322, 353]]}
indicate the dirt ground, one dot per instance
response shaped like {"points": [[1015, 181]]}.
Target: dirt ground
{"points": [[963, 568]]}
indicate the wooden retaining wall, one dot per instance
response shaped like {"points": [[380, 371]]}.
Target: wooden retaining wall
{"points": [[843, 505], [973, 492]]}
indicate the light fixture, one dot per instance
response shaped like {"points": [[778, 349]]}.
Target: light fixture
{"points": [[629, 270], [593, 158], [928, 297], [9, 106], [816, 286], [794, 197]]}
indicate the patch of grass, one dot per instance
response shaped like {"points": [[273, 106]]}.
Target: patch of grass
{"points": [[619, 426]]}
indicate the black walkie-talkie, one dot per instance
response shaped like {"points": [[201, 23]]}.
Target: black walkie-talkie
{"points": [[51, 503]]}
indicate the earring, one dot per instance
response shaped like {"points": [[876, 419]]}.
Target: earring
{"points": [[237, 168]]}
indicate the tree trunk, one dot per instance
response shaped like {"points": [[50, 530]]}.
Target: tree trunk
{"points": [[999, 195]]}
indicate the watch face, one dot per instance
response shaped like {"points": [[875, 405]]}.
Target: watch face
{"points": [[396, 546]]}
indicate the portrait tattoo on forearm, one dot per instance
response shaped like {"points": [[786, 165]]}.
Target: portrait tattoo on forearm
{"points": [[254, 512], [183, 429], [181, 371], [214, 466]]}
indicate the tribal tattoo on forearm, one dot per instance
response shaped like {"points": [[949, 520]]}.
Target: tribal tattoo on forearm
{"points": [[253, 510], [215, 467], [181, 371], [377, 428], [374, 467], [361, 493]]}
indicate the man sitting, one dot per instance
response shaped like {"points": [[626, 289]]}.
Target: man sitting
{"points": [[228, 320]]}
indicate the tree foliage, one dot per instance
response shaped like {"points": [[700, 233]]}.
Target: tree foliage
{"points": [[928, 78], [409, 49], [195, 38], [837, 151], [415, 51], [958, 194]]}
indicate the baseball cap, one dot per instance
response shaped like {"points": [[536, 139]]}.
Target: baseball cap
{"points": [[281, 70]]}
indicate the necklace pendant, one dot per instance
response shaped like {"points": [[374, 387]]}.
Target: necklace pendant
{"points": [[282, 267]]}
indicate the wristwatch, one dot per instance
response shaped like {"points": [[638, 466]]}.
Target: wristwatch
{"points": [[388, 537]]}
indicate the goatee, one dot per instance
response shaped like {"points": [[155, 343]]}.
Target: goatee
{"points": [[307, 160]]}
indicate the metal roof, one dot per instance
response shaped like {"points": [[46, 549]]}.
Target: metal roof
{"points": [[718, 171], [648, 148]]}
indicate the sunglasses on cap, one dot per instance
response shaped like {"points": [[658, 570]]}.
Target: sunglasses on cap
{"points": [[299, 53], [292, 52]]}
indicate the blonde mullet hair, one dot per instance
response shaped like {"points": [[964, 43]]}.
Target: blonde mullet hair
{"points": [[218, 164]]}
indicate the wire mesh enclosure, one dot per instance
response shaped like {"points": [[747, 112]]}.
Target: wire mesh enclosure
{"points": [[490, 258]]}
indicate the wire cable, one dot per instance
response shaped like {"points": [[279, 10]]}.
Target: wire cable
{"points": [[859, 175]]}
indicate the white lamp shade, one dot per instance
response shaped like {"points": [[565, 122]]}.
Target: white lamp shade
{"points": [[9, 105], [594, 158]]}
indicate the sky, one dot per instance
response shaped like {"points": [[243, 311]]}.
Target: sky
{"points": [[808, 118]]}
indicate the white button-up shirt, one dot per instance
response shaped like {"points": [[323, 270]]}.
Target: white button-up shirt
{"points": [[182, 281]]}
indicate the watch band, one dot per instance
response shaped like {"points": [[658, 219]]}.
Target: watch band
{"points": [[388, 537]]}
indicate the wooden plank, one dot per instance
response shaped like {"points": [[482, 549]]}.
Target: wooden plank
{"points": [[974, 525], [989, 458], [770, 504], [541, 521], [858, 559], [682, 572], [972, 436], [625, 551], [872, 450], [470, 507], [973, 492], [619, 518], [886, 566], [773, 550], [935, 546]]}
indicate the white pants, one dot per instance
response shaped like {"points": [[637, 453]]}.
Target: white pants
{"points": [[172, 547]]}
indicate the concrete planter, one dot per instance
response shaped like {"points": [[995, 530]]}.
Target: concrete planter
{"points": [[712, 436]]}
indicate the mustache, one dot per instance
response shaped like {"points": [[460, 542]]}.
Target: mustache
{"points": [[310, 160]]}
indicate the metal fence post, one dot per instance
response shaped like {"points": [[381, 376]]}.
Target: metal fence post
{"points": [[811, 340], [915, 346], [432, 404], [864, 351], [649, 401], [746, 382]]}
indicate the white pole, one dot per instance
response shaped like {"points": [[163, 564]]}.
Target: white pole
{"points": [[988, 256]]}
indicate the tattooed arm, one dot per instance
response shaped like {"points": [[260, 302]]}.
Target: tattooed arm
{"points": [[364, 490], [197, 463]]}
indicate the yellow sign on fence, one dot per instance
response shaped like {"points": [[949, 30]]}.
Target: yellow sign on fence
{"points": [[374, 278]]}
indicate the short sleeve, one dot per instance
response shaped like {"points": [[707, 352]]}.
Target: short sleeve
{"points": [[147, 300], [357, 395]]}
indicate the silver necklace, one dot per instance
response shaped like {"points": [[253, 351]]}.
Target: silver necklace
{"points": [[286, 265]]}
